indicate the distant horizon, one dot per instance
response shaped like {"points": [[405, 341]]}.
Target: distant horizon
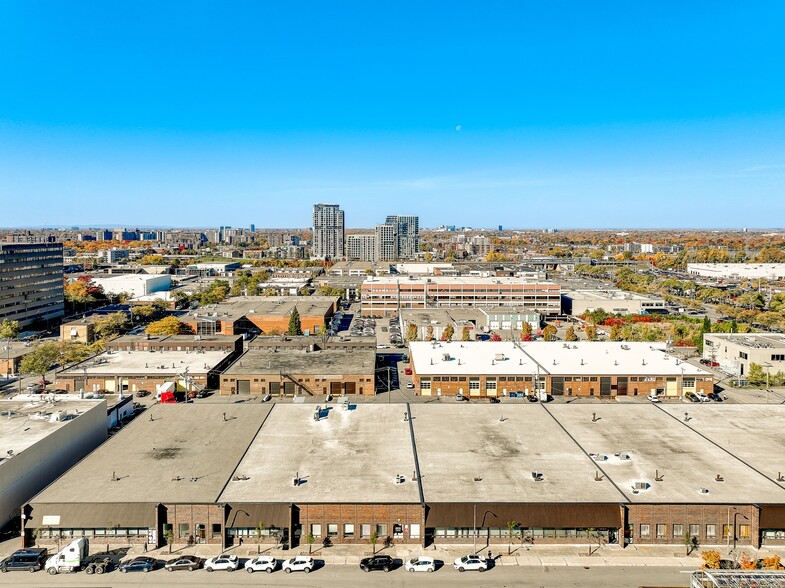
{"points": [[653, 115]]}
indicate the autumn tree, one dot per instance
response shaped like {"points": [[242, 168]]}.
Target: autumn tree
{"points": [[152, 260], [571, 336], [412, 332], [495, 337], [465, 334], [295, 326], [711, 559], [111, 325], [166, 326], [526, 331], [549, 333], [591, 332], [448, 333], [429, 333], [143, 312]]}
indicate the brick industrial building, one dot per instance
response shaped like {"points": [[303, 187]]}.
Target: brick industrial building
{"points": [[387, 295], [577, 473], [268, 314], [604, 369]]}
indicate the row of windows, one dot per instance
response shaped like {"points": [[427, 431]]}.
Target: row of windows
{"points": [[124, 532], [381, 530], [677, 531], [531, 532]]}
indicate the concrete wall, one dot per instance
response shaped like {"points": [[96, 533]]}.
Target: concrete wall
{"points": [[27, 473]]}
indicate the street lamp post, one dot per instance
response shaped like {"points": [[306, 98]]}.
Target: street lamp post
{"points": [[475, 528], [768, 367], [735, 514]]}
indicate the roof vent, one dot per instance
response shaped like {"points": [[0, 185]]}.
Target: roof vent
{"points": [[537, 476], [719, 478], [704, 490]]}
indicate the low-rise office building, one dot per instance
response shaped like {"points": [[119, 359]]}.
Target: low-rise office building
{"points": [[11, 355], [31, 282], [613, 301], [40, 440], [604, 369], [289, 372], [388, 295], [426, 473], [736, 352]]}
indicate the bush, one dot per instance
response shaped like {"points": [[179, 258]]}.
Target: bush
{"points": [[711, 560]]}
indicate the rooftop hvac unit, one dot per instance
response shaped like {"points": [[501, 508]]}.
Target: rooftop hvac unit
{"points": [[446, 357], [500, 357]]}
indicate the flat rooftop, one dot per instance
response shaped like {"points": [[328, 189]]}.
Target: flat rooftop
{"points": [[658, 442], [608, 294], [544, 357], [457, 280], [242, 306], [425, 316], [752, 340], [31, 421], [349, 456], [17, 349], [751, 433], [485, 453], [298, 361], [175, 339], [148, 363], [200, 442]]}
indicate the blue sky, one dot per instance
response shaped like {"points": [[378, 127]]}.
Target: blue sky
{"points": [[526, 114]]}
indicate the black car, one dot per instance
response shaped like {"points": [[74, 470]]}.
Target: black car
{"points": [[532, 398], [715, 397], [377, 562], [185, 562], [24, 560], [139, 564]]}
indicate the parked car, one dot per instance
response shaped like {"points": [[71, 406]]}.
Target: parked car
{"points": [[653, 398], [532, 398], [299, 564], [143, 393], [460, 397], [138, 564], [420, 564], [410, 386], [691, 397], [185, 562], [470, 562], [225, 561], [702, 397], [377, 562], [261, 563], [24, 560], [715, 397]]}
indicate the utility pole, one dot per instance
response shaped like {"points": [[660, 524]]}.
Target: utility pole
{"points": [[475, 528]]}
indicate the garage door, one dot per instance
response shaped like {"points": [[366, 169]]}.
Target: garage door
{"points": [[275, 388], [350, 387], [288, 388], [335, 388], [243, 386]]}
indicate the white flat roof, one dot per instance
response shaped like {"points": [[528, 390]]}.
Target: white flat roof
{"points": [[555, 358], [148, 363], [29, 421], [465, 280], [349, 456]]}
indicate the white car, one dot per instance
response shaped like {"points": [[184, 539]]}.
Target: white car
{"points": [[224, 561], [409, 386], [298, 564], [470, 562], [702, 397], [261, 563], [420, 564], [653, 398]]}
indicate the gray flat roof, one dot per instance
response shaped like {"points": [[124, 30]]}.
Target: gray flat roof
{"points": [[347, 456], [298, 361], [424, 316], [236, 308], [609, 294], [149, 363], [31, 421], [752, 433], [752, 340], [660, 443], [457, 443], [185, 440]]}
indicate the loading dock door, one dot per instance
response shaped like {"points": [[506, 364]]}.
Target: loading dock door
{"points": [[335, 388], [275, 388], [621, 386], [605, 386], [288, 388], [557, 386], [350, 387], [243, 386]]}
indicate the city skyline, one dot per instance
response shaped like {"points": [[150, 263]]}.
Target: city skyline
{"points": [[527, 116]]}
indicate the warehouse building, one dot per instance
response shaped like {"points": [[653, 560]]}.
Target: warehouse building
{"points": [[598, 368], [737, 271], [39, 441], [425, 473], [736, 352], [137, 285], [612, 301], [284, 371]]}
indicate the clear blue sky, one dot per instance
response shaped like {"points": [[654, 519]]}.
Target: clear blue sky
{"points": [[526, 114]]}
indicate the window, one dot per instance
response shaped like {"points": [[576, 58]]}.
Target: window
{"points": [[694, 530], [678, 531], [216, 530], [381, 530], [474, 383], [661, 530], [490, 384], [183, 532], [744, 531], [348, 530], [425, 384], [414, 531], [365, 531], [778, 357], [316, 530], [332, 530], [711, 531], [645, 531], [726, 531]]}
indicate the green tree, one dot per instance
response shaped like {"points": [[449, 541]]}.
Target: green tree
{"points": [[9, 329], [309, 539], [169, 537], [111, 325], [511, 526], [295, 327], [756, 376], [41, 360], [571, 336], [373, 539], [166, 326], [143, 312]]}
